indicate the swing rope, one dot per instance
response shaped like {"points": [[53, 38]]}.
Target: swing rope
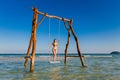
{"points": [[59, 31], [49, 44], [49, 36], [58, 39]]}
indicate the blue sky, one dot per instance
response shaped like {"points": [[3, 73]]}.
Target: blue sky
{"points": [[96, 23]]}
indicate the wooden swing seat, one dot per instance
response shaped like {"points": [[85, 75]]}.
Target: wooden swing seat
{"points": [[54, 61]]}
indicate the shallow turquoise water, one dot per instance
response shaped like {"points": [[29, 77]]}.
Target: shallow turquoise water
{"points": [[98, 68]]}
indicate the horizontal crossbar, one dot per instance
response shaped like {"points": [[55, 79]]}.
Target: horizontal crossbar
{"points": [[52, 16], [74, 56], [27, 57]]}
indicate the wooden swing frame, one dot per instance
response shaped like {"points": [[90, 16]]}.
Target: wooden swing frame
{"points": [[32, 43]]}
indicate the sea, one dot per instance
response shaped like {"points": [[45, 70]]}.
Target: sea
{"points": [[98, 67]]}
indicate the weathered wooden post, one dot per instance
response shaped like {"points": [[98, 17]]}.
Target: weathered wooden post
{"points": [[66, 49], [28, 52], [34, 27], [32, 42], [77, 43], [68, 41]]}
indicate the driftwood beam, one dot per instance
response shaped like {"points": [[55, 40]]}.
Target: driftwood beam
{"points": [[41, 20], [28, 57], [68, 42], [28, 51], [65, 25], [77, 44], [66, 49], [75, 56], [34, 28], [51, 16]]}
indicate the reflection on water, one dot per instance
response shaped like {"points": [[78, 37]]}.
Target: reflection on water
{"points": [[97, 69]]}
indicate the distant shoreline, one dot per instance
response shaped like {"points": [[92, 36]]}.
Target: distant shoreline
{"points": [[50, 53], [115, 52]]}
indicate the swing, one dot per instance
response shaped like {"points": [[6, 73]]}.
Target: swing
{"points": [[32, 43], [49, 44]]}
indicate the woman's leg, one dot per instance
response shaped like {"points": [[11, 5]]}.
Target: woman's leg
{"points": [[55, 52]]}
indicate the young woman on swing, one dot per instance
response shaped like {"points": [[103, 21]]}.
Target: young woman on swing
{"points": [[54, 49]]}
